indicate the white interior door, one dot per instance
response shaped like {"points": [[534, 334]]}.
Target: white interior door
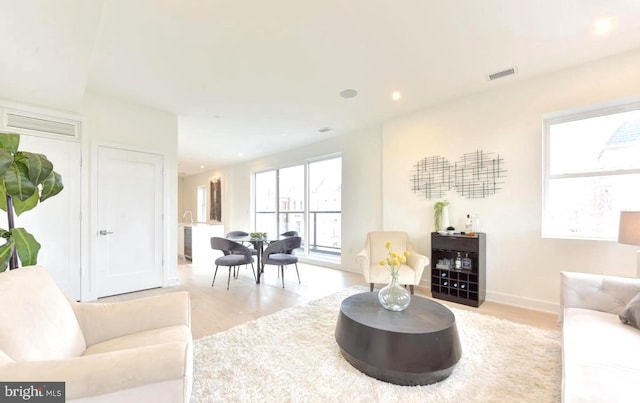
{"points": [[129, 223], [56, 222]]}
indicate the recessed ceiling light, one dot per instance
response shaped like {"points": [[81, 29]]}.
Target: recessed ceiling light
{"points": [[240, 154], [201, 166], [396, 95], [348, 93], [603, 26]]}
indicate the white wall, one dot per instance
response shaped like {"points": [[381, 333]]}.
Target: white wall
{"points": [[189, 194], [522, 267], [117, 123], [361, 191]]}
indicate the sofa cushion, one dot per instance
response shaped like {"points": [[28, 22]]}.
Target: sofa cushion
{"points": [[631, 313], [36, 321], [601, 354]]}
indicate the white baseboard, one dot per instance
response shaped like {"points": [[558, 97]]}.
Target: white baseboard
{"points": [[513, 300], [523, 302]]}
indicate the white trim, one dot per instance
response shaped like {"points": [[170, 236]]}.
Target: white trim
{"points": [[522, 302]]}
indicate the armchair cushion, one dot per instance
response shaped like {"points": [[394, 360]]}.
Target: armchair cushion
{"points": [[105, 321], [32, 305], [374, 251]]}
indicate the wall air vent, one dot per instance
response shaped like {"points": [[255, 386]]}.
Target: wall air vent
{"points": [[502, 73], [36, 124]]}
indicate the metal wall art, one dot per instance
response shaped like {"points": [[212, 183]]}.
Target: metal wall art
{"points": [[475, 175], [215, 207]]}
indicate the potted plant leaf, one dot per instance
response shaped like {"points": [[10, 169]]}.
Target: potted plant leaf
{"points": [[26, 179]]}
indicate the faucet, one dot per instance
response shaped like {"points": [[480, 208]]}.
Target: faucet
{"points": [[190, 216]]}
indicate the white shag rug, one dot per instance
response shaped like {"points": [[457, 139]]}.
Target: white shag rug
{"points": [[292, 356]]}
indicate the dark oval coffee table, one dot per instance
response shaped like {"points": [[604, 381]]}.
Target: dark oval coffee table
{"points": [[418, 346]]}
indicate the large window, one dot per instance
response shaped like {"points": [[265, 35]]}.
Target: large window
{"points": [[265, 197], [325, 201], [287, 199], [592, 171], [291, 206]]}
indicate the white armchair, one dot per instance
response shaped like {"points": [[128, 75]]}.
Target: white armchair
{"points": [[131, 351], [374, 251]]}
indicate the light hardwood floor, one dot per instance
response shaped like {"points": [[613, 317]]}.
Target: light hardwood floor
{"points": [[214, 309]]}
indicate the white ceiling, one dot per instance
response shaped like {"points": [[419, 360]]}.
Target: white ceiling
{"points": [[250, 78]]}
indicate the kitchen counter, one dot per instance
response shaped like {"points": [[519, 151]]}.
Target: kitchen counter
{"points": [[201, 233]]}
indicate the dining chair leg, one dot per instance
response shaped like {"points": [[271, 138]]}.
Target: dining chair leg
{"points": [[254, 272], [411, 288], [371, 287], [297, 272], [229, 277], [282, 269], [214, 276]]}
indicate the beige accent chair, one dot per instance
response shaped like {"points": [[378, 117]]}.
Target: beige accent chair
{"points": [[374, 251], [134, 351]]}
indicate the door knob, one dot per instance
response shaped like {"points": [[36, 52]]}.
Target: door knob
{"points": [[104, 232]]}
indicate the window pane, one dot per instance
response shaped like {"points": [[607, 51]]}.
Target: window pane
{"points": [[325, 206], [291, 194], [601, 143], [325, 185], [325, 233], [266, 222], [291, 187], [589, 207], [266, 191], [292, 222]]}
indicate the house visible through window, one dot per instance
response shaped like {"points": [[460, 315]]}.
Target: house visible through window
{"points": [[304, 198], [592, 171]]}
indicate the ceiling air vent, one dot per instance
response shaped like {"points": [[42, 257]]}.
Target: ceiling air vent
{"points": [[40, 124], [502, 73], [324, 129]]}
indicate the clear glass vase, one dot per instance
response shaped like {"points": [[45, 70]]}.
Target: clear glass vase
{"points": [[393, 296]]}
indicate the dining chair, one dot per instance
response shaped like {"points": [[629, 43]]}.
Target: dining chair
{"points": [[289, 234], [241, 234], [234, 256], [276, 254]]}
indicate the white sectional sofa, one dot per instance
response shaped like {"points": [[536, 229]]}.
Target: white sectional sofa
{"points": [[131, 351], [600, 354]]}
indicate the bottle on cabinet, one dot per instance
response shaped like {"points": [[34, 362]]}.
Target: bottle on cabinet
{"points": [[458, 261], [466, 262], [468, 225]]}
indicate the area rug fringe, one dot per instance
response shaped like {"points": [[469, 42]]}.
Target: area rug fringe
{"points": [[292, 356]]}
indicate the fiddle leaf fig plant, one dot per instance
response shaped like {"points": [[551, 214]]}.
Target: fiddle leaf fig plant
{"points": [[26, 179]]}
